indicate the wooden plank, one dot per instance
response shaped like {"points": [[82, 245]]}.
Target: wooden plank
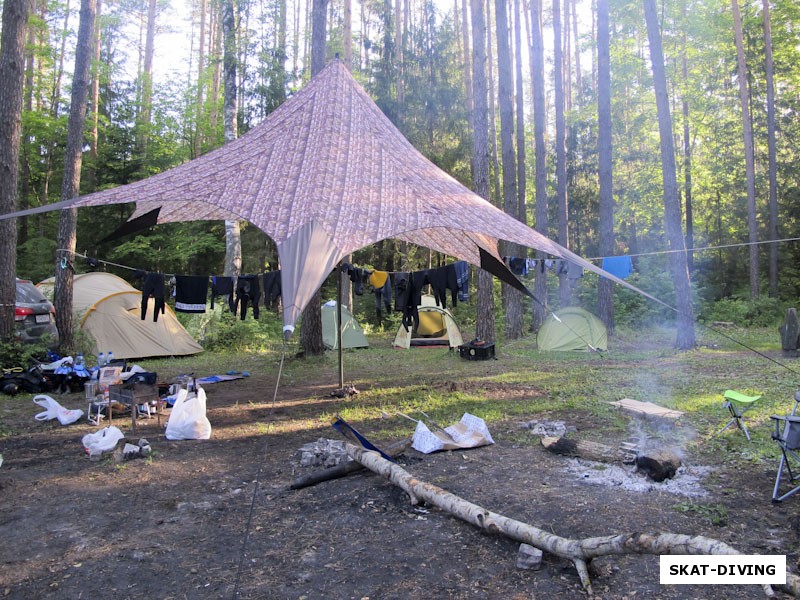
{"points": [[647, 409]]}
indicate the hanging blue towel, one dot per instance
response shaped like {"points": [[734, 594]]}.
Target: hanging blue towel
{"points": [[619, 266]]}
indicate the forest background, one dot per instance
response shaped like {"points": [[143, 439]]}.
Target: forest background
{"points": [[414, 59]]}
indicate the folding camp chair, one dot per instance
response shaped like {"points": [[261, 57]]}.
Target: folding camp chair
{"points": [[737, 403], [787, 434]]}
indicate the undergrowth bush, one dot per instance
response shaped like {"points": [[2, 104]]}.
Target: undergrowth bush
{"points": [[761, 312], [219, 329]]}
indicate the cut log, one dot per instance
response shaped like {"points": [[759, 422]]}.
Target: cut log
{"points": [[582, 449], [340, 470], [580, 552]]}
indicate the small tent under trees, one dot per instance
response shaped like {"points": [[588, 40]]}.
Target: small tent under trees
{"points": [[572, 329], [108, 310], [435, 327], [352, 334]]}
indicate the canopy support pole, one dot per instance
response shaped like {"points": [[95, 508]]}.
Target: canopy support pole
{"points": [[339, 323]]}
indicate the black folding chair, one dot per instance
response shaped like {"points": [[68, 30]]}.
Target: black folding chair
{"points": [[787, 434]]}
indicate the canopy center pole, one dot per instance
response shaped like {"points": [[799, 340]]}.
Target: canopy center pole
{"points": [[339, 323]]}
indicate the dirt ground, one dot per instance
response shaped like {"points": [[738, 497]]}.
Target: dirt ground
{"points": [[216, 518]]}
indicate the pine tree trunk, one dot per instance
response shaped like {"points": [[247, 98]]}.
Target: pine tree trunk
{"points": [[512, 299], [94, 140], [540, 157], [561, 148], [772, 153], [687, 162], [605, 290], [749, 155], [147, 78], [685, 336], [233, 234], [12, 74], [484, 328], [72, 175], [311, 330], [201, 66]]}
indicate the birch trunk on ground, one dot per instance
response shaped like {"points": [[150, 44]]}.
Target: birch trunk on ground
{"points": [[72, 175], [580, 552]]}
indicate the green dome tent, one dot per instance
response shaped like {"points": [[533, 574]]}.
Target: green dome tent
{"points": [[571, 329], [352, 334]]}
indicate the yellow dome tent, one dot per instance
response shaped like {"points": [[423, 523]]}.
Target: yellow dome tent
{"points": [[108, 309]]}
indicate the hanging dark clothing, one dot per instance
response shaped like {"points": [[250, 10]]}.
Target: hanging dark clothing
{"points": [[191, 293], [462, 279], [153, 286], [441, 280], [383, 294], [222, 285], [272, 288], [248, 291]]}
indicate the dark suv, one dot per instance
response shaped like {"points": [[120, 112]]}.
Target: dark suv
{"points": [[34, 315]]}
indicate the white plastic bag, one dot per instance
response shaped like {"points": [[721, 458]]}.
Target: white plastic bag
{"points": [[53, 410], [188, 420], [101, 441]]}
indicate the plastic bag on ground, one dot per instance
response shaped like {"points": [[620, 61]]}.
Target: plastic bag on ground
{"points": [[187, 420], [53, 410], [101, 441]]}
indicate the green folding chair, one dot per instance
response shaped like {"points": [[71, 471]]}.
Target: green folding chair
{"points": [[737, 403]]}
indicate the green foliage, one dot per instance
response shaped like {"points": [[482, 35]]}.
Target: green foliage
{"points": [[221, 330], [16, 354], [760, 312]]}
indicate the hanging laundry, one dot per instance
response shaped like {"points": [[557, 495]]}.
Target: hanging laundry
{"points": [[272, 288], [191, 292], [462, 279], [222, 285], [382, 289], [441, 280], [619, 266], [248, 291], [518, 266], [152, 287], [357, 277], [574, 270]]}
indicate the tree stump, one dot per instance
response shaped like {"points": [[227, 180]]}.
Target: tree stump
{"points": [[790, 333]]}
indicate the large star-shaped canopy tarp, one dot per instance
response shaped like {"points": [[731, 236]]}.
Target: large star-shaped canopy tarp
{"points": [[325, 174]]}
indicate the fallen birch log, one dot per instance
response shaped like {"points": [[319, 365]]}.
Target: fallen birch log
{"points": [[343, 469], [580, 552]]}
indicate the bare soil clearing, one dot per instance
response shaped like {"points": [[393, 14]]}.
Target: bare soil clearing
{"points": [[215, 518]]}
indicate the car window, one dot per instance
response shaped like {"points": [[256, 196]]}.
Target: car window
{"points": [[29, 293]]}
